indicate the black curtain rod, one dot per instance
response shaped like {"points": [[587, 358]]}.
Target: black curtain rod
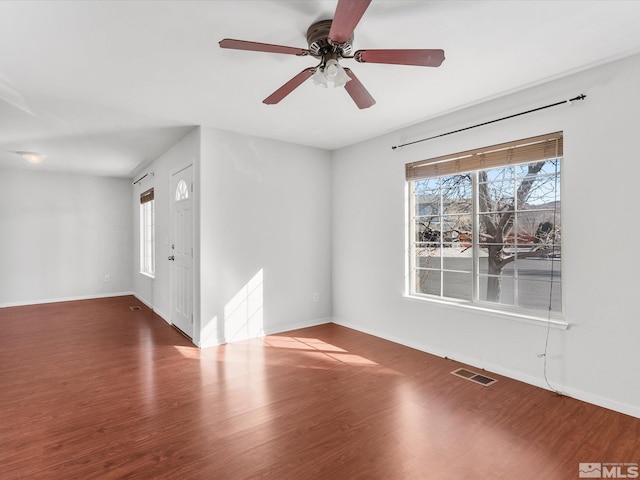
{"points": [[142, 178], [579, 97]]}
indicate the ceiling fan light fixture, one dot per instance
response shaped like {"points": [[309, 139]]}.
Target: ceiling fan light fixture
{"points": [[330, 40], [319, 80], [335, 74], [32, 157]]}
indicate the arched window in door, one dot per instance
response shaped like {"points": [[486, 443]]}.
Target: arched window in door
{"points": [[182, 191]]}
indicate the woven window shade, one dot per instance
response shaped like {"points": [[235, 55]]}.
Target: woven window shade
{"points": [[542, 147], [146, 196]]}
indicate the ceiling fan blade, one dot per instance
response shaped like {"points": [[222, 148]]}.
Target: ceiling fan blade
{"points": [[423, 58], [348, 14], [289, 87], [261, 47], [358, 93]]}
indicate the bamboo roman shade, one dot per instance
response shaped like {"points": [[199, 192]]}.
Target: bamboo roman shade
{"points": [[146, 196], [532, 149]]}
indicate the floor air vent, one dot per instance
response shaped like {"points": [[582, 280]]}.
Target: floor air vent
{"points": [[135, 309], [474, 377]]}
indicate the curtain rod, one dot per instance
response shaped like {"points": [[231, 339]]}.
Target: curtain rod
{"points": [[143, 177], [579, 97]]}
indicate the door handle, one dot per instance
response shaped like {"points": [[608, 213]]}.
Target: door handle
{"points": [[172, 258]]}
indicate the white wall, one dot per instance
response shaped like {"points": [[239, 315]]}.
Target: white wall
{"points": [[156, 292], [598, 358], [265, 239], [262, 232], [61, 234]]}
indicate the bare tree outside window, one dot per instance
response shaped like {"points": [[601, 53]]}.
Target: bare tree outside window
{"points": [[490, 236]]}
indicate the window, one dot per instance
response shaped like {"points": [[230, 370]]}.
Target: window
{"points": [[182, 191], [485, 226], [147, 233]]}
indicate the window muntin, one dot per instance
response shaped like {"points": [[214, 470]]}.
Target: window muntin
{"points": [[490, 237], [147, 233]]}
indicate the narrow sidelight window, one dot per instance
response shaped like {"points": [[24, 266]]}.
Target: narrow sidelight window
{"points": [[147, 233]]}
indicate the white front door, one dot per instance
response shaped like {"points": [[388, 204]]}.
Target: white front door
{"points": [[181, 252]]}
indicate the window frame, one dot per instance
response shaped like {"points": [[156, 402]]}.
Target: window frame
{"points": [[147, 233], [475, 302]]}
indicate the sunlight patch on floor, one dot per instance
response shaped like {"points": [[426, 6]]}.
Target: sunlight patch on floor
{"points": [[317, 348], [188, 352]]}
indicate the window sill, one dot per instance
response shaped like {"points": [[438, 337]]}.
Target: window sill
{"points": [[148, 275], [553, 322]]}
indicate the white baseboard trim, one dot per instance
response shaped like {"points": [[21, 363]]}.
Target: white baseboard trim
{"points": [[143, 300], [587, 397], [631, 410], [162, 315], [268, 331], [296, 326], [155, 310], [64, 299]]}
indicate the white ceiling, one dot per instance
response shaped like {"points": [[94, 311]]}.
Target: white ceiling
{"points": [[103, 86]]}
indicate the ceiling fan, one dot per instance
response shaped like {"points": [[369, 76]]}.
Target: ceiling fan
{"points": [[330, 41]]}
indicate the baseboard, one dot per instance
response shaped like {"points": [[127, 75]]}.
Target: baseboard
{"points": [[88, 297], [631, 410], [162, 315], [143, 300], [158, 312], [587, 397], [269, 331], [296, 326], [64, 299]]}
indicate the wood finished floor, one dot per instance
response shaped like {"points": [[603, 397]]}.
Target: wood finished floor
{"points": [[91, 389]]}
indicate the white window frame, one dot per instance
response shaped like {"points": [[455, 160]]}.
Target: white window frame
{"points": [[555, 317], [147, 238]]}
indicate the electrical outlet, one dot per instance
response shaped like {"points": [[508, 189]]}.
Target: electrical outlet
{"points": [[107, 278], [316, 297]]}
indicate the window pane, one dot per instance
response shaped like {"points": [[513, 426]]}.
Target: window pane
{"points": [[496, 189], [427, 205], [457, 227], [539, 269], [457, 194], [483, 266], [496, 250], [535, 295], [499, 174], [545, 184], [429, 186], [427, 229], [483, 260], [428, 282], [532, 222], [496, 196], [427, 197], [457, 258], [427, 257], [457, 285], [497, 289], [147, 238], [182, 191], [495, 228]]}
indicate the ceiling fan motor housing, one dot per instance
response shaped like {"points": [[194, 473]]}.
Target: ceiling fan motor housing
{"points": [[318, 40]]}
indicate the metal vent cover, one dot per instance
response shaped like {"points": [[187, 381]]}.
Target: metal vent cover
{"points": [[474, 377]]}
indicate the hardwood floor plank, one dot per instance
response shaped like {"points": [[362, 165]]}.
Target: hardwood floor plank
{"points": [[91, 389]]}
